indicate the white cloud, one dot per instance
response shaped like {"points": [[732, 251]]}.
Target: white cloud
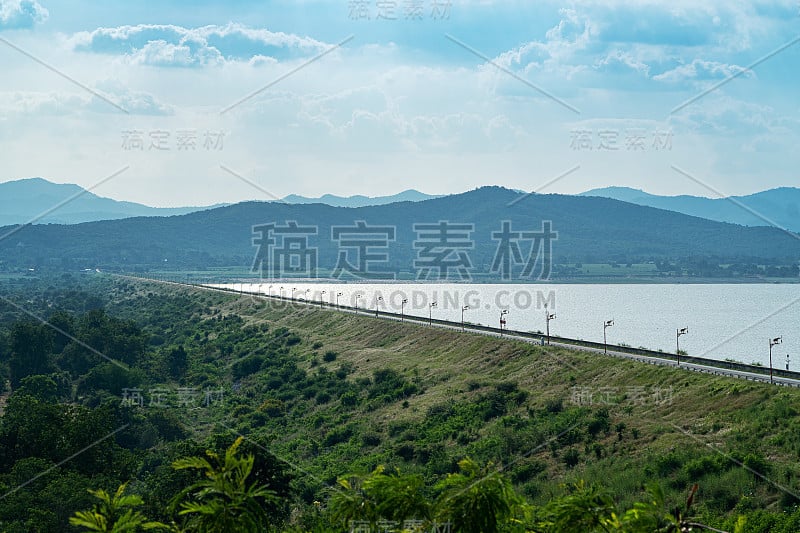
{"points": [[703, 70], [15, 14], [167, 45]]}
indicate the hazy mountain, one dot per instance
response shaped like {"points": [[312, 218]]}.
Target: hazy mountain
{"points": [[780, 206], [410, 195], [590, 230], [39, 200]]}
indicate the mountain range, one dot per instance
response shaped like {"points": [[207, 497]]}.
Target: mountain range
{"points": [[590, 230], [358, 200], [778, 207], [36, 200]]}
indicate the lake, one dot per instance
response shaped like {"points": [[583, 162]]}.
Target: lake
{"points": [[732, 321]]}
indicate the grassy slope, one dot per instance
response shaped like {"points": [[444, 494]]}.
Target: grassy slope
{"points": [[752, 423]]}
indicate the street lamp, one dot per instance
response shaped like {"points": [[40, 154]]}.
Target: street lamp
{"points": [[773, 342], [281, 293], [430, 313], [462, 316], [321, 294], [678, 333], [293, 289], [607, 324], [402, 305], [337, 298], [357, 297], [378, 299], [548, 316], [787, 361], [503, 313], [269, 290]]}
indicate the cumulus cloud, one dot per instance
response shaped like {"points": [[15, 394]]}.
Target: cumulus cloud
{"points": [[55, 103], [15, 14], [165, 45], [135, 102], [40, 103], [702, 70]]}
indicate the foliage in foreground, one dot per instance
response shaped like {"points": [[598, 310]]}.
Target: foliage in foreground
{"points": [[474, 500]]}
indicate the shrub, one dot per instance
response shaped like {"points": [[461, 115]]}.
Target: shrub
{"points": [[571, 457]]}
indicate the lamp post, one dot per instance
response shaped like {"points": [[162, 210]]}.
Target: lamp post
{"points": [[430, 313], [787, 361], [269, 290], [773, 342], [503, 313], [358, 296], [548, 316], [462, 316], [281, 293], [321, 294], [607, 324], [378, 299], [337, 298], [402, 306], [293, 289], [678, 333]]}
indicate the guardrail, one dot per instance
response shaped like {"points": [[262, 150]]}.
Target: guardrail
{"points": [[702, 361]]}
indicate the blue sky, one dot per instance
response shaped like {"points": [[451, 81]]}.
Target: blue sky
{"points": [[428, 94]]}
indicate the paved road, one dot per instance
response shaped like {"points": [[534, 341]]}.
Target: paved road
{"points": [[705, 369]]}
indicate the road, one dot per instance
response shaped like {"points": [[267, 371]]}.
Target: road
{"points": [[691, 367]]}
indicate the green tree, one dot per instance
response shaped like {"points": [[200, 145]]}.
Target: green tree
{"points": [[31, 350], [350, 501], [223, 500], [380, 495], [114, 514], [478, 500], [399, 497]]}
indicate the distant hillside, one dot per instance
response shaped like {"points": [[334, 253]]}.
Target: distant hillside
{"points": [[410, 195], [35, 199], [590, 229], [781, 206]]}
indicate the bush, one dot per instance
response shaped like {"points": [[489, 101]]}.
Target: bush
{"points": [[571, 457]]}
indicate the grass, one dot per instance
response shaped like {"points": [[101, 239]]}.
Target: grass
{"points": [[584, 416]]}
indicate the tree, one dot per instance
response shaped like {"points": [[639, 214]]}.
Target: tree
{"points": [[478, 500], [177, 360], [399, 497], [392, 496], [114, 514], [31, 349], [223, 501]]}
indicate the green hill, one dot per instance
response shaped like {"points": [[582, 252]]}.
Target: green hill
{"points": [[320, 394], [590, 230]]}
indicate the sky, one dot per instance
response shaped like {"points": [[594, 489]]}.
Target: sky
{"points": [[173, 103]]}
